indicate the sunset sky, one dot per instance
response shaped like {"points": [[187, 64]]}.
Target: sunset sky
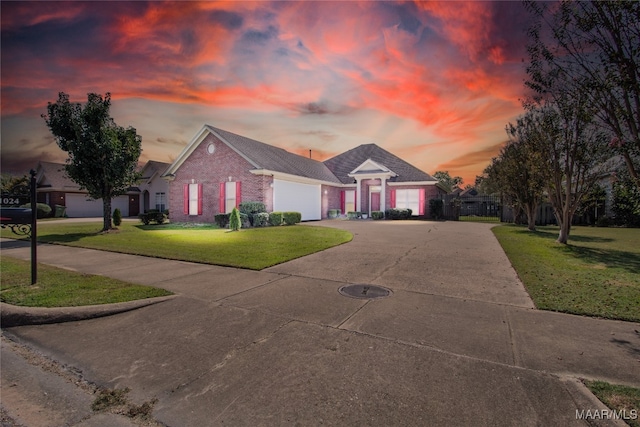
{"points": [[433, 82]]}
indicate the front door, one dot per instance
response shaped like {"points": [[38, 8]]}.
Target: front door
{"points": [[375, 201]]}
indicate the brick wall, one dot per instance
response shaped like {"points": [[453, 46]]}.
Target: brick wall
{"points": [[210, 170]]}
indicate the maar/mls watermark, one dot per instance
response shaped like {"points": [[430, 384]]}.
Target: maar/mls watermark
{"points": [[606, 414]]}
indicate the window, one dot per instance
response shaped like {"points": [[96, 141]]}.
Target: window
{"points": [[410, 199], [161, 202], [192, 199], [229, 196], [349, 201]]}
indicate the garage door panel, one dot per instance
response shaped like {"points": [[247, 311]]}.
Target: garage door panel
{"points": [[297, 197], [80, 206]]}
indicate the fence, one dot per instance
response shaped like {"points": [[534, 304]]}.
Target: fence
{"points": [[490, 208]]}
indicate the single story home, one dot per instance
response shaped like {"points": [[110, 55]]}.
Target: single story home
{"points": [[55, 188], [154, 189], [218, 170]]}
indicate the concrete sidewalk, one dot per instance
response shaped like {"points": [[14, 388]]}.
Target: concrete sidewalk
{"points": [[457, 343]]}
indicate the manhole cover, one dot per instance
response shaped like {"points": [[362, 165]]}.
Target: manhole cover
{"points": [[364, 291]]}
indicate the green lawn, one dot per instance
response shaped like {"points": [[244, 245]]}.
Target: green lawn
{"points": [[254, 248], [597, 274], [63, 288], [625, 400]]}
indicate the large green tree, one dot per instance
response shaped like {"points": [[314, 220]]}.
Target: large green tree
{"points": [[573, 154], [103, 157], [447, 180], [593, 48], [518, 172]]}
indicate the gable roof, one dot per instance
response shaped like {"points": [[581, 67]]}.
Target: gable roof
{"points": [[153, 168], [268, 157], [343, 164], [53, 175]]}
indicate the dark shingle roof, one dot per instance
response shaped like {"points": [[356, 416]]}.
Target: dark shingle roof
{"points": [[54, 175], [342, 164], [265, 156]]}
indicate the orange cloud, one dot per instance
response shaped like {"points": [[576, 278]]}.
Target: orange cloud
{"points": [[471, 164]]}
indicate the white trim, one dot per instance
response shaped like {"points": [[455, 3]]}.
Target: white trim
{"points": [[396, 184], [297, 178], [376, 165]]}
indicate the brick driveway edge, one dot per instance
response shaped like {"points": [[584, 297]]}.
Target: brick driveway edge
{"points": [[13, 315]]}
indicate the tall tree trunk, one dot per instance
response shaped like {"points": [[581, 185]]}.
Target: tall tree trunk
{"points": [[565, 226], [106, 214], [532, 212]]}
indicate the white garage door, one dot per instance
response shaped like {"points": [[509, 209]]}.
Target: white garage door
{"points": [[296, 197], [78, 206]]}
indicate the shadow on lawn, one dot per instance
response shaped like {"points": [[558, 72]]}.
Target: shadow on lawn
{"points": [[611, 258], [553, 235], [629, 261]]}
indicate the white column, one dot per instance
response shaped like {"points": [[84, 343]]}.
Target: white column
{"points": [[358, 195], [383, 194]]}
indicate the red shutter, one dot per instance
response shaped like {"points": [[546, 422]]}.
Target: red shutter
{"points": [[238, 194], [185, 196], [199, 199], [393, 199], [342, 202], [221, 206], [421, 202]]}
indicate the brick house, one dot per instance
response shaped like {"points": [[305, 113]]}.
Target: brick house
{"points": [[218, 170]]}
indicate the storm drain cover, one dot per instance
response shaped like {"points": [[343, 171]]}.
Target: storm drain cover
{"points": [[364, 291]]}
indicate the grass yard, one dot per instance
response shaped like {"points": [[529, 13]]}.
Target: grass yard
{"points": [[57, 287], [624, 400], [254, 248], [597, 274]]}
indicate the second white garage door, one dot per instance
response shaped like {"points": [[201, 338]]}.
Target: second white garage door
{"points": [[297, 197], [78, 206]]}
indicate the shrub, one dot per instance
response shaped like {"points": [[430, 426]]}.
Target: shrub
{"points": [[436, 208], [222, 220], [117, 217], [275, 218], [245, 220], [354, 215], [291, 218], [260, 219], [333, 213], [42, 209], [398, 213], [234, 220], [377, 215], [151, 216], [251, 208]]}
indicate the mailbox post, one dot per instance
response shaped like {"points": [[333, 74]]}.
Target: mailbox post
{"points": [[23, 221], [34, 228]]}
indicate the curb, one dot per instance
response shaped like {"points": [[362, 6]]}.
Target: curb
{"points": [[13, 315]]}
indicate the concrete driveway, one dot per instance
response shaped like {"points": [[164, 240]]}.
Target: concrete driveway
{"points": [[458, 342]]}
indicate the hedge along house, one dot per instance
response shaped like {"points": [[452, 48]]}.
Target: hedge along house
{"points": [[218, 170]]}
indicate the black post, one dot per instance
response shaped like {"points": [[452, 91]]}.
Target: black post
{"points": [[34, 234]]}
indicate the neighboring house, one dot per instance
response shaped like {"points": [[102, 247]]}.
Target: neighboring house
{"points": [[55, 188], [153, 189], [218, 170]]}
